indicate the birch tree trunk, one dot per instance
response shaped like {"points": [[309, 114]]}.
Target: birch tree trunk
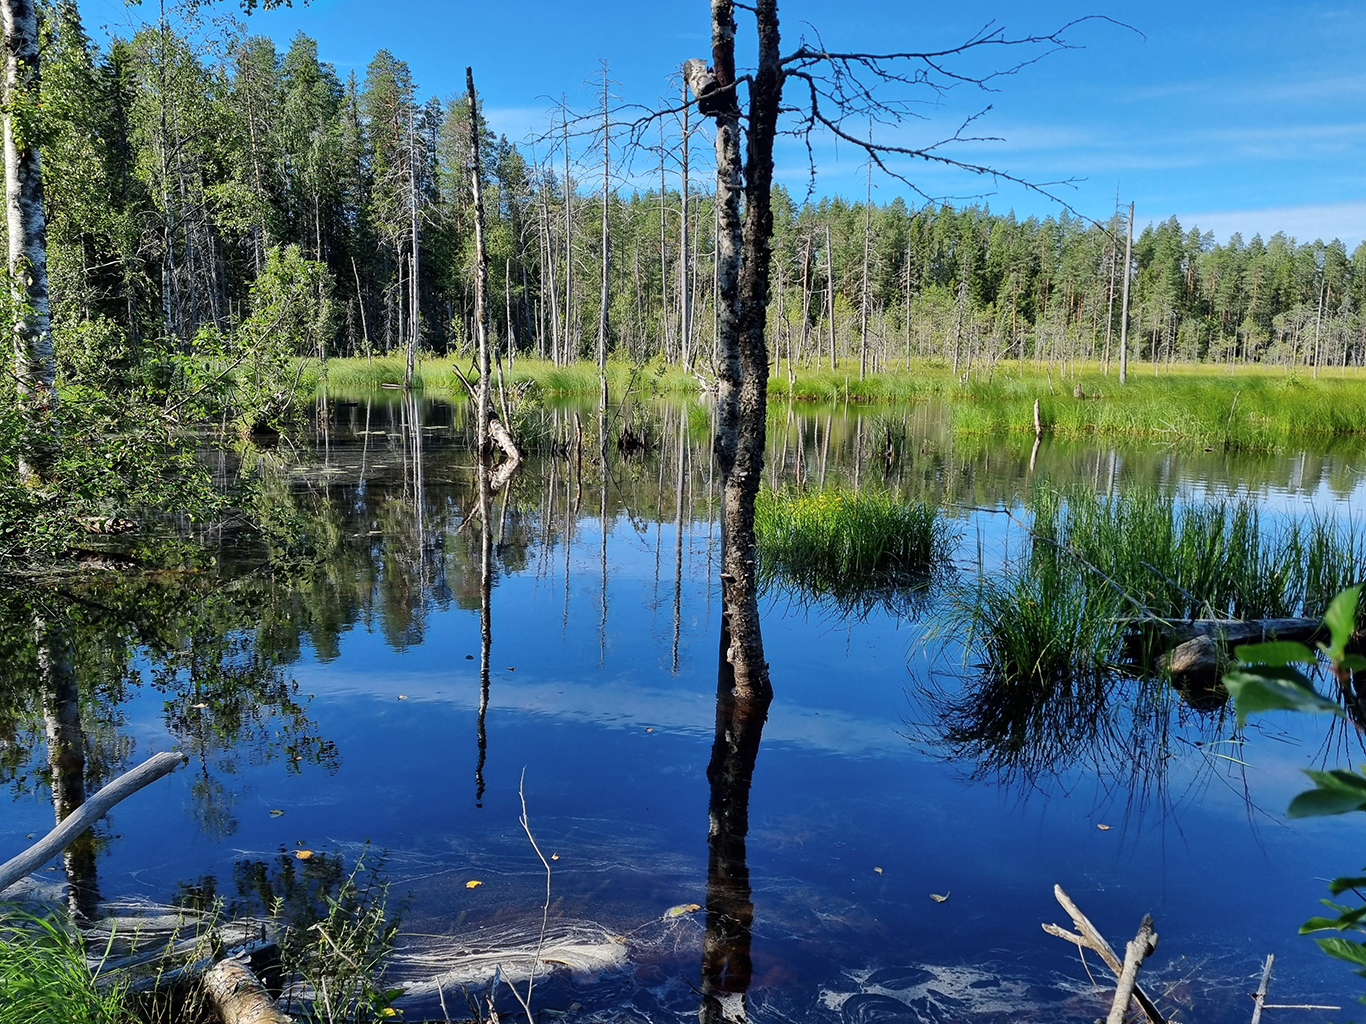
{"points": [[743, 265], [35, 370]]}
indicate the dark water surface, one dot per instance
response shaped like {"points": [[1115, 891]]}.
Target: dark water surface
{"points": [[349, 697]]}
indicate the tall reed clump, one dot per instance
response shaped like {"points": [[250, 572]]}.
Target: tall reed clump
{"points": [[856, 548], [1093, 573], [1220, 558], [45, 979]]}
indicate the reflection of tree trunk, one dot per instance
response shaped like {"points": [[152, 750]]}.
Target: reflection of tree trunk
{"points": [[726, 963], [678, 531], [485, 621], [66, 761]]}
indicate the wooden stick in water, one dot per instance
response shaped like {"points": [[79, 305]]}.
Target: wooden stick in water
{"points": [[87, 814]]}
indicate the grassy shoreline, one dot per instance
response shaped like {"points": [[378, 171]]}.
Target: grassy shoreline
{"points": [[1253, 408]]}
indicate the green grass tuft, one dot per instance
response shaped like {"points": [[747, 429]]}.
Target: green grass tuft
{"points": [[853, 547], [44, 977]]}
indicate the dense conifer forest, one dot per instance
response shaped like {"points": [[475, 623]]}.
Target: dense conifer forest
{"points": [[190, 174]]}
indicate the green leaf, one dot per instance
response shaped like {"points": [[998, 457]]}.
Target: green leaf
{"points": [[1355, 662], [1349, 918], [1254, 692], [1335, 792], [1344, 949], [1276, 652], [1341, 885], [1341, 620]]}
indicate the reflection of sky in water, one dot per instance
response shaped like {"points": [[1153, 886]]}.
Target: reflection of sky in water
{"points": [[615, 745]]}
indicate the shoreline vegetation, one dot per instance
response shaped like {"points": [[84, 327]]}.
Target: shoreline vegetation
{"points": [[1191, 404]]}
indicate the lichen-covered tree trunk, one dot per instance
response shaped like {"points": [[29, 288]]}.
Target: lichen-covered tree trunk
{"points": [[34, 366], [743, 265]]}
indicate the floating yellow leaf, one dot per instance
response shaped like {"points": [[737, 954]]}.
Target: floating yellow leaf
{"points": [[649, 730], [554, 856], [275, 812], [303, 854], [878, 870], [473, 883], [939, 899], [681, 909], [1103, 828], [402, 696]]}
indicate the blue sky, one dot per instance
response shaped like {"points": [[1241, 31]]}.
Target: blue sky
{"points": [[1233, 116]]}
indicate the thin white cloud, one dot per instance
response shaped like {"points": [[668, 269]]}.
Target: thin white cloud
{"points": [[1327, 221]]}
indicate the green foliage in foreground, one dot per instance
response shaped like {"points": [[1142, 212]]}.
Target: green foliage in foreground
{"points": [[846, 545], [44, 977], [1272, 677]]}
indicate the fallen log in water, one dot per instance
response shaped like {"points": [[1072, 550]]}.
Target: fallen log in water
{"points": [[1240, 631], [87, 814], [239, 997]]}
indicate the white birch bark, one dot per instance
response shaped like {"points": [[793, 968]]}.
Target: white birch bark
{"points": [[34, 366]]}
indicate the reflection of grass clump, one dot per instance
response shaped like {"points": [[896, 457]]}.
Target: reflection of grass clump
{"points": [[852, 547], [44, 977]]}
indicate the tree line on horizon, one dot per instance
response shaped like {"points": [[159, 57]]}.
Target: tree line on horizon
{"points": [[190, 176]]}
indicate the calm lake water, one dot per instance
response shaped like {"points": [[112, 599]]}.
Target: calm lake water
{"points": [[329, 707]]}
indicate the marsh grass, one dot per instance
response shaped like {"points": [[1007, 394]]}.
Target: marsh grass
{"points": [[45, 978], [857, 549], [1083, 592]]}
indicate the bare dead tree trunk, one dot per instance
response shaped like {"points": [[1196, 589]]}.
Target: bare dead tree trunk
{"points": [[867, 254], [571, 337], [603, 317], [481, 279], [685, 307], [35, 370], [743, 279], [489, 429], [1124, 305], [414, 323]]}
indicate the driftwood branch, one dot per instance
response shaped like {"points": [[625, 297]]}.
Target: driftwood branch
{"points": [[1088, 937], [87, 814], [234, 991], [1259, 999], [1140, 947]]}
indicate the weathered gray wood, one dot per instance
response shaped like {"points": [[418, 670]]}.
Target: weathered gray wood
{"points": [[234, 991], [1259, 1000], [1087, 936], [1140, 947], [89, 812], [1236, 631], [481, 278]]}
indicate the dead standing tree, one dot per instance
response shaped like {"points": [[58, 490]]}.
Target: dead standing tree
{"points": [[839, 85], [489, 429]]}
